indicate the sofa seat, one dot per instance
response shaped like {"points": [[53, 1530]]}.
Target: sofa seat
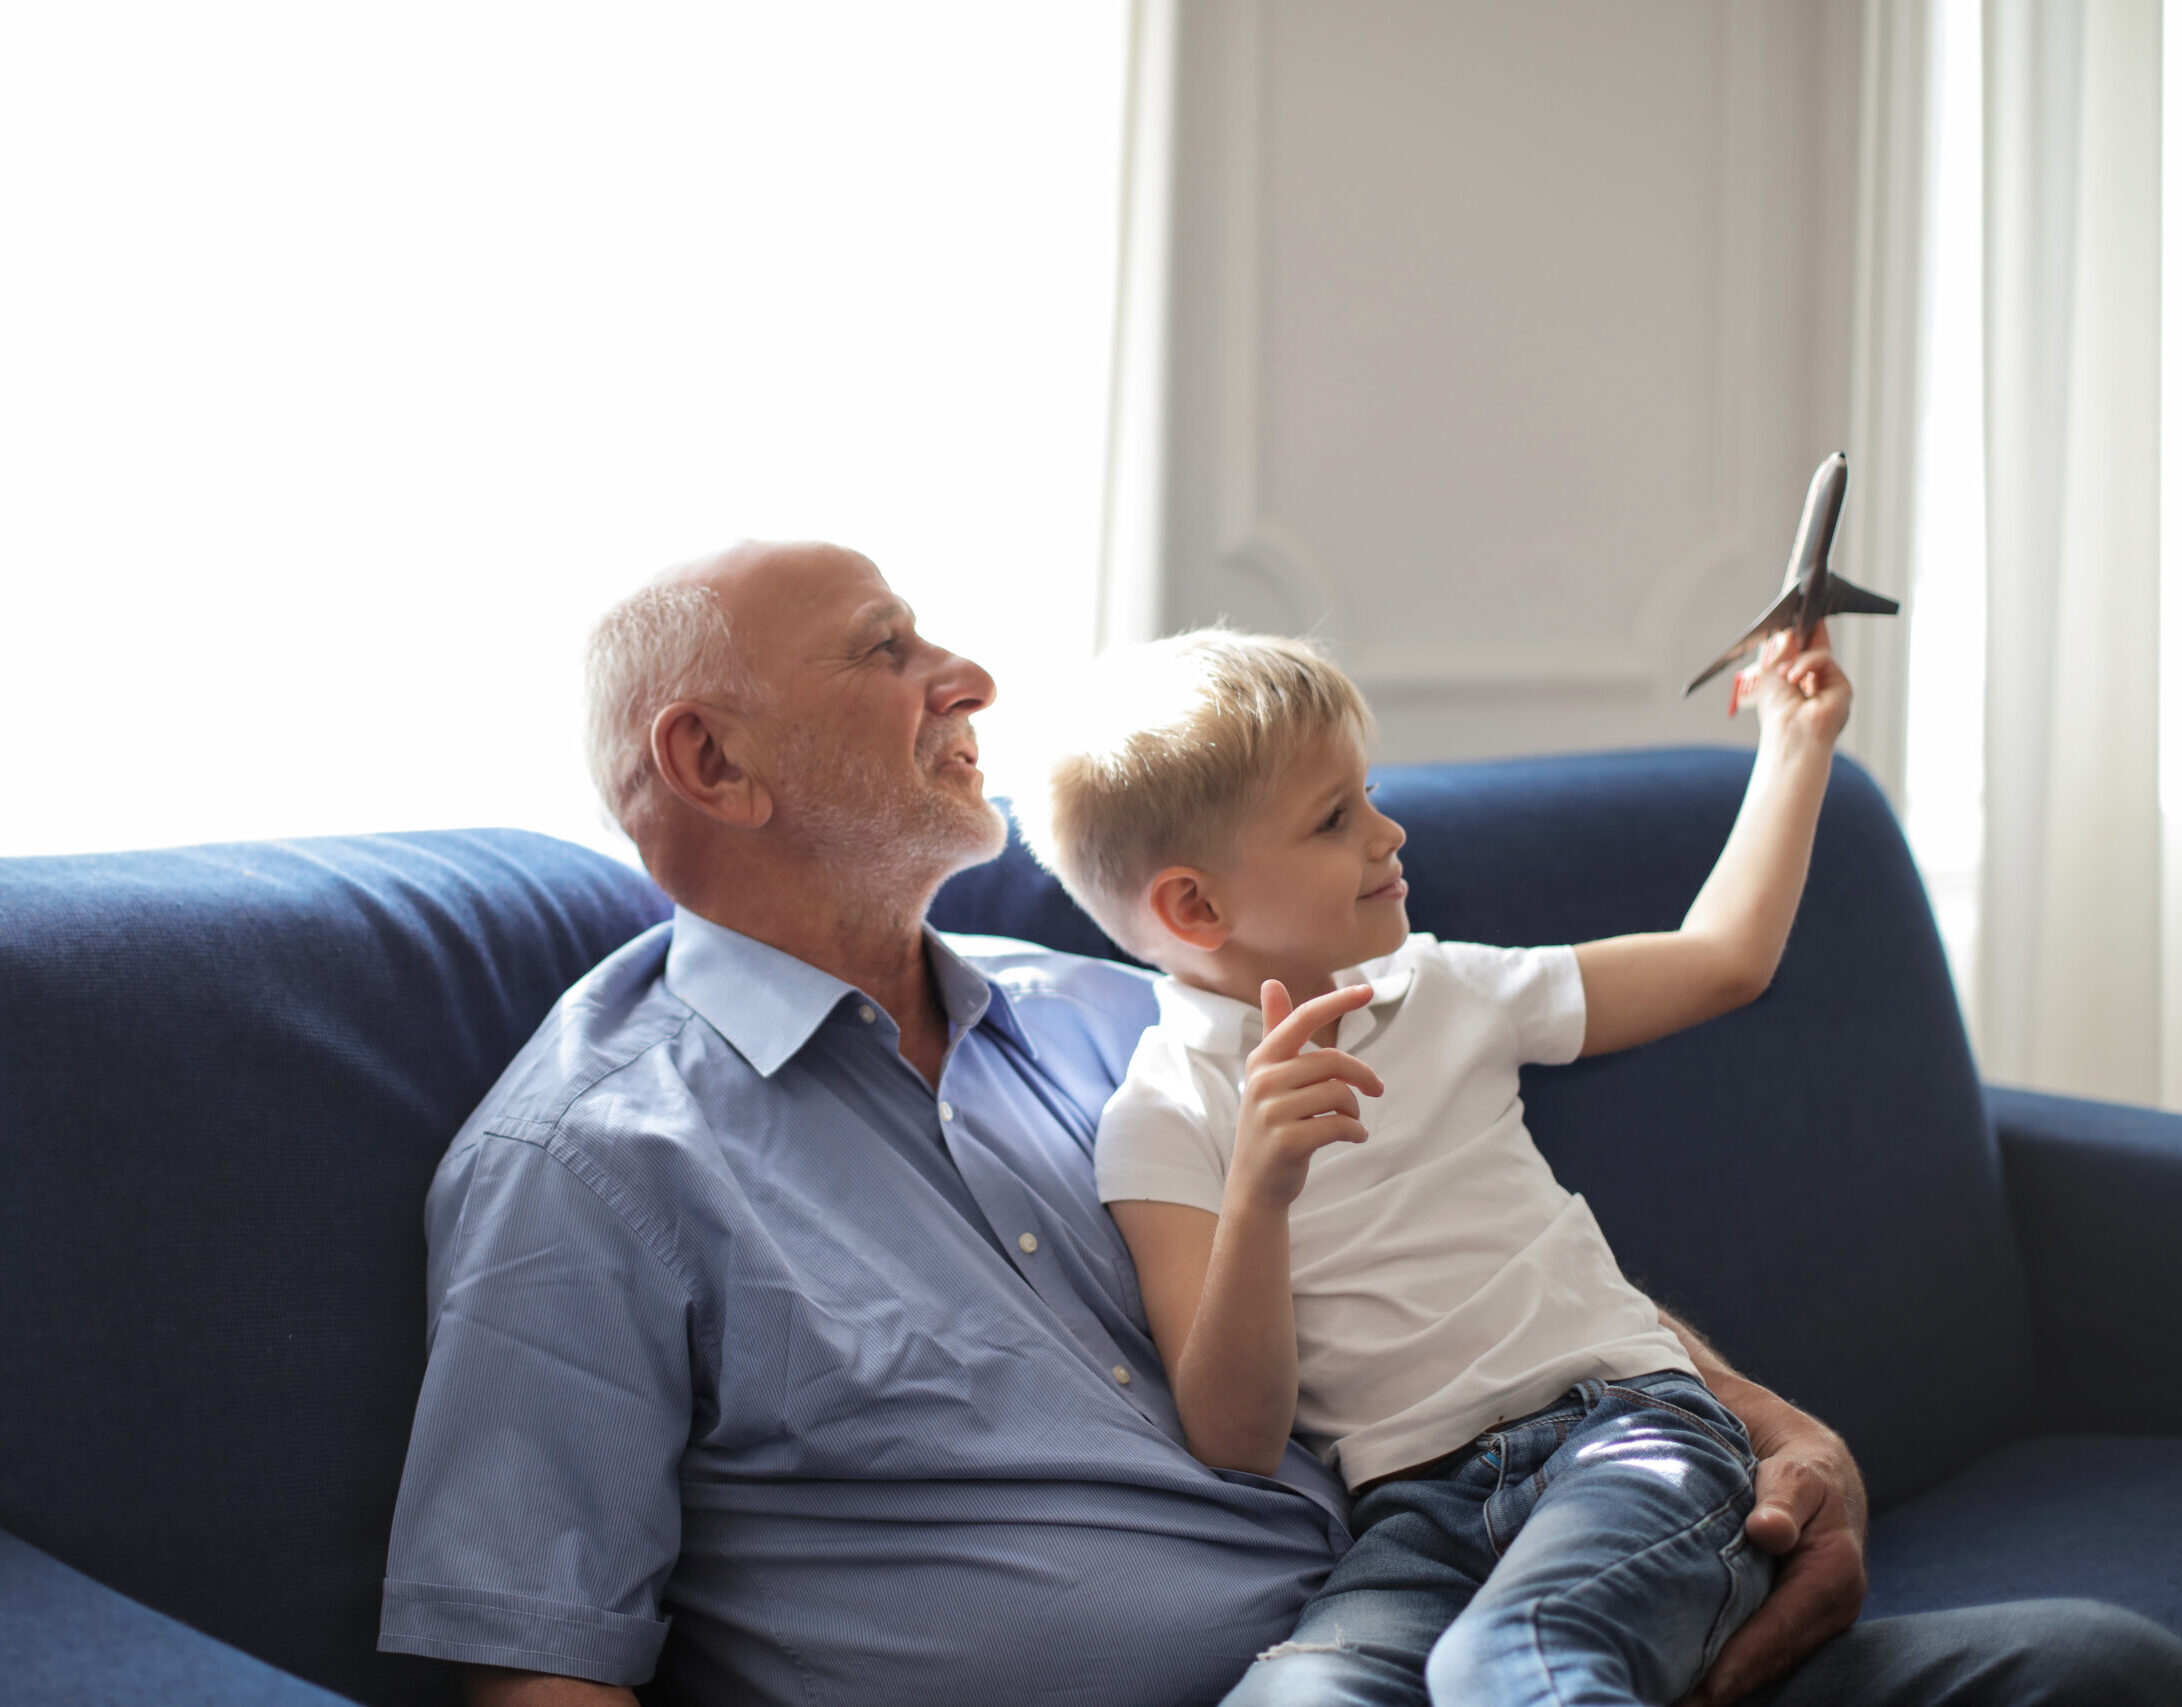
{"points": [[2065, 1516], [67, 1639]]}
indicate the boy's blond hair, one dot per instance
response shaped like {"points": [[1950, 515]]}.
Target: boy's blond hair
{"points": [[1179, 742]]}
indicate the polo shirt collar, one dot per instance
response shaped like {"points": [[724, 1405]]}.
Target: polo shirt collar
{"points": [[769, 1004], [1213, 1024]]}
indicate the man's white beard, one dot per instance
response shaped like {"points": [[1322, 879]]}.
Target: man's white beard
{"points": [[879, 827]]}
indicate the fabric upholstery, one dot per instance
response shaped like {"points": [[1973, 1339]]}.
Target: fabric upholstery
{"points": [[66, 1641], [229, 1074], [2097, 1191], [2065, 1516]]}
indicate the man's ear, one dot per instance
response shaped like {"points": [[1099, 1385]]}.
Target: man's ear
{"points": [[1187, 904], [700, 750]]}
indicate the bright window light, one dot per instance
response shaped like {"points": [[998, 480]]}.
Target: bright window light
{"points": [[1944, 790], [353, 357]]}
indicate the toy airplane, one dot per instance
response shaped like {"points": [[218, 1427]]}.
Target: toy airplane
{"points": [[1809, 594]]}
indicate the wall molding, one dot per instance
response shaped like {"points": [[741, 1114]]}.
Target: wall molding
{"points": [[1253, 542]]}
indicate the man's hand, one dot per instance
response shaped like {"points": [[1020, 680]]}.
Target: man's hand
{"points": [[1810, 1513], [1294, 1104]]}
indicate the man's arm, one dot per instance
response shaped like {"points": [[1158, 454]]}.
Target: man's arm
{"points": [[1637, 988], [1810, 1511], [493, 1686]]}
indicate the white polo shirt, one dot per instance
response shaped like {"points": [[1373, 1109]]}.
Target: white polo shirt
{"points": [[1444, 1281]]}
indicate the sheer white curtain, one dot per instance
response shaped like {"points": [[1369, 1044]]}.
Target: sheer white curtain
{"points": [[2069, 984], [352, 357], [2040, 721]]}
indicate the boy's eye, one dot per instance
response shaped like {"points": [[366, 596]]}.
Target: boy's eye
{"points": [[1336, 818]]}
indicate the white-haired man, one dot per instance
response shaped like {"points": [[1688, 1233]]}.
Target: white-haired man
{"points": [[780, 1349]]}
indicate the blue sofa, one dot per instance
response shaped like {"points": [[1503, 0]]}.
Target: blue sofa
{"points": [[226, 1075]]}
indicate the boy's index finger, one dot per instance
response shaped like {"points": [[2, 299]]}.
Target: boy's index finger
{"points": [[1289, 1036]]}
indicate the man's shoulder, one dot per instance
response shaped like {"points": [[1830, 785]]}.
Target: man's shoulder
{"points": [[614, 1016], [1083, 1015]]}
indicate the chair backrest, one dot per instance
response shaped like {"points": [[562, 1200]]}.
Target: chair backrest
{"points": [[226, 1075], [1811, 1180]]}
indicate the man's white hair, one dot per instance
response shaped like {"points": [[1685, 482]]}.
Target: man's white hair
{"points": [[664, 642]]}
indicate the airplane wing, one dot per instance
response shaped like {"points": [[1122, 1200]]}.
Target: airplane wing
{"points": [[1848, 596], [1783, 614]]}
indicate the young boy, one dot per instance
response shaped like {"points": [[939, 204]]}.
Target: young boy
{"points": [[1550, 1503]]}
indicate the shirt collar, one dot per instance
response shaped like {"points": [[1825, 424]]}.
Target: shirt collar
{"points": [[1214, 1024], [768, 1004]]}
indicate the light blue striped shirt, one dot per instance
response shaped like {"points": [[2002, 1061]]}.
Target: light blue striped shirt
{"points": [[755, 1362]]}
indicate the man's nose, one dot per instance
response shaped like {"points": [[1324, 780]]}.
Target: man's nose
{"points": [[959, 686]]}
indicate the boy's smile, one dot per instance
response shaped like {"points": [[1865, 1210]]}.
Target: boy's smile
{"points": [[1313, 886]]}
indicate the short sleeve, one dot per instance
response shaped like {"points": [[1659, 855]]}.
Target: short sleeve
{"points": [[540, 1512], [1156, 1141], [1539, 990]]}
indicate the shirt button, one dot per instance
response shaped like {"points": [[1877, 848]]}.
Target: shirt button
{"points": [[1121, 1374], [1029, 1242], [946, 1111], [867, 1013]]}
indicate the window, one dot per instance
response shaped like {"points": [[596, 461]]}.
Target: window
{"points": [[354, 357]]}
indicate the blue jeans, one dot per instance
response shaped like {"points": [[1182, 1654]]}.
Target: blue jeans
{"points": [[1590, 1552]]}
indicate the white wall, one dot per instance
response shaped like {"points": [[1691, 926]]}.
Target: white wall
{"points": [[1496, 343]]}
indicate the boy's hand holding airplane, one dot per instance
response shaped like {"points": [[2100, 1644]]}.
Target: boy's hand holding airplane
{"points": [[1804, 694], [1297, 1101]]}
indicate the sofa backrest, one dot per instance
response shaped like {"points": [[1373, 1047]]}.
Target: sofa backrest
{"points": [[1812, 1179], [226, 1076]]}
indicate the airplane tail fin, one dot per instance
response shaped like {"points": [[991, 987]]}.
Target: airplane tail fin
{"points": [[1856, 601]]}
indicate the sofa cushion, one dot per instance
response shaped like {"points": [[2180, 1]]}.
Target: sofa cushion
{"points": [[229, 1073], [1812, 1179], [2062, 1516], [65, 1638]]}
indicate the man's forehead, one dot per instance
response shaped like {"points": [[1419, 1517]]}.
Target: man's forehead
{"points": [[759, 582]]}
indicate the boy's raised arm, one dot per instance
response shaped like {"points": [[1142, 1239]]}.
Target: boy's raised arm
{"points": [[1637, 988]]}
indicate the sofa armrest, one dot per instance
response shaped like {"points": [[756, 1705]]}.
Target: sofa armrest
{"points": [[2096, 1192], [67, 1639]]}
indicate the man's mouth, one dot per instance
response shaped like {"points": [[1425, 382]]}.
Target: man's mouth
{"points": [[955, 751]]}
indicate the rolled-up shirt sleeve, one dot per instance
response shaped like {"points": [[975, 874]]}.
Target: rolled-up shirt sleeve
{"points": [[539, 1516]]}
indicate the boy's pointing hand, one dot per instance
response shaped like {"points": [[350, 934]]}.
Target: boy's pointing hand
{"points": [[1296, 1101]]}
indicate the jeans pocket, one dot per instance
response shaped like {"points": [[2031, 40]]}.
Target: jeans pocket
{"points": [[1749, 1580]]}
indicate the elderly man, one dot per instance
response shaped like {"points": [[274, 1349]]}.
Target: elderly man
{"points": [[780, 1349]]}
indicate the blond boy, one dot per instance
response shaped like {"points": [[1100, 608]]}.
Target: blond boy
{"points": [[1550, 1504]]}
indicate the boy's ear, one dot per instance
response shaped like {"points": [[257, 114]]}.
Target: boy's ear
{"points": [[1188, 907], [700, 750]]}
